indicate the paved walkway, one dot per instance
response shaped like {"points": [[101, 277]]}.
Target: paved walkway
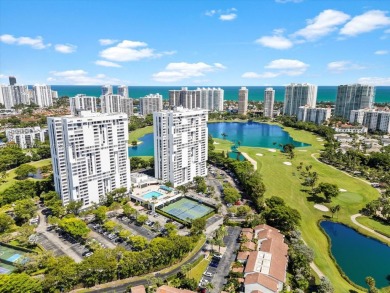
{"points": [[63, 246], [252, 161], [313, 266], [353, 219]]}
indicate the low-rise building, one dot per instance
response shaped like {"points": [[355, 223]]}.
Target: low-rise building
{"points": [[351, 129], [26, 137], [373, 119]]}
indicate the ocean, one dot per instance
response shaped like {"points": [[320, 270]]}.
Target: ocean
{"points": [[256, 93]]}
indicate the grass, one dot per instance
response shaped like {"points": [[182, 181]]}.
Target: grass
{"points": [[283, 181], [222, 145], [11, 178], [375, 225], [197, 271], [136, 134]]}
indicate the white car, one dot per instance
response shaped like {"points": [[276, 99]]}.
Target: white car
{"points": [[208, 274]]}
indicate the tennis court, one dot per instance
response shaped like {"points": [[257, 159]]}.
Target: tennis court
{"points": [[187, 209], [10, 256]]}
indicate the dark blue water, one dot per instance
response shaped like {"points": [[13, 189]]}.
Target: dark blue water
{"points": [[236, 156], [357, 255], [248, 134], [253, 134], [256, 93], [146, 148]]}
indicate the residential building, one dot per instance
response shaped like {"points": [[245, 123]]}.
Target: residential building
{"points": [[123, 90], [12, 80], [353, 97], [54, 95], [20, 94], [150, 103], [89, 156], [127, 106], [315, 115], [374, 120], [350, 129], [269, 98], [7, 112], [168, 289], [211, 98], [297, 95], [83, 102], [116, 104], [42, 95], [107, 90], [205, 98], [242, 101], [6, 96], [26, 137], [180, 144]]}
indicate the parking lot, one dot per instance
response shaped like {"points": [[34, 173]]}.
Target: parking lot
{"points": [[130, 225], [48, 245]]}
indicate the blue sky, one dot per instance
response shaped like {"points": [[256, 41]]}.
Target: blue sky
{"points": [[195, 42]]}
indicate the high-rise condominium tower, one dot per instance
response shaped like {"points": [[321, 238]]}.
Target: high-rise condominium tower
{"points": [[269, 98], [205, 98], [89, 156], [243, 101], [116, 104], [353, 97], [107, 90], [42, 95], [180, 145], [150, 103], [6, 96], [123, 91], [82, 102], [12, 80], [297, 95]]}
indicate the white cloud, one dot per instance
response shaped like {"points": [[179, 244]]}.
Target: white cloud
{"points": [[35, 43], [224, 15], [182, 70], [381, 52], [339, 66], [290, 67], [384, 81], [3, 76], [81, 77], [366, 22], [228, 17], [275, 42], [65, 48], [323, 24], [106, 42], [106, 63], [131, 51]]}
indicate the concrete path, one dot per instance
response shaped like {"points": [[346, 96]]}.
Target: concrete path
{"points": [[313, 266], [252, 161], [353, 219], [63, 246]]}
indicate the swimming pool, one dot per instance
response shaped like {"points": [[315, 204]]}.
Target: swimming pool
{"points": [[152, 194]]}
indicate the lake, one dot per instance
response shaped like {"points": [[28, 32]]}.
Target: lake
{"points": [[357, 255], [251, 134]]}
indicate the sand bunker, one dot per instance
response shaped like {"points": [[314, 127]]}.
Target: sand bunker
{"points": [[342, 190], [287, 163], [321, 207], [216, 142], [260, 155], [272, 150], [302, 150]]}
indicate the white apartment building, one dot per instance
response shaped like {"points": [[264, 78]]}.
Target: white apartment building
{"points": [[116, 104], [350, 129], [353, 97], [373, 119], [42, 95], [297, 95], [82, 102], [205, 98], [6, 96], [180, 144], [150, 103], [123, 91], [243, 101], [269, 99], [107, 90], [20, 94], [26, 137], [89, 156], [127, 106], [314, 115]]}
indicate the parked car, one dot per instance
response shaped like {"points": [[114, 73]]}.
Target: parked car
{"points": [[208, 274]]}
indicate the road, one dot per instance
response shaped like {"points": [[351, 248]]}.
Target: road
{"points": [[228, 257], [353, 219]]}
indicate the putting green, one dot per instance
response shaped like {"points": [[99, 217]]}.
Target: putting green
{"points": [[350, 197]]}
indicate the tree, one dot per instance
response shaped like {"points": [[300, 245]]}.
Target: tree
{"points": [[325, 286], [6, 222], [110, 226], [100, 214], [370, 281], [334, 209], [138, 242], [24, 209], [74, 227], [200, 184], [20, 283], [171, 229], [134, 143], [61, 274], [243, 210], [74, 207], [283, 218], [231, 195], [141, 219], [24, 170], [129, 211], [197, 226], [328, 190], [289, 150]]}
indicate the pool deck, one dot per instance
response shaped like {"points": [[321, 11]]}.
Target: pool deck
{"points": [[166, 197]]}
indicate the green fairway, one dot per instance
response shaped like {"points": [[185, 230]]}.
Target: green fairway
{"points": [[283, 180], [375, 225], [10, 180], [136, 134]]}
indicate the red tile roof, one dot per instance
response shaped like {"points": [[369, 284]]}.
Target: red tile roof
{"points": [[138, 289], [248, 246], [264, 280], [243, 255], [167, 289]]}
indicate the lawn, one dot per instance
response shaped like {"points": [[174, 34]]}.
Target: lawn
{"points": [[10, 180], [283, 181], [136, 134], [197, 271], [375, 225]]}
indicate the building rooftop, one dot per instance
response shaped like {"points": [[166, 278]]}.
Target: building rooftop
{"points": [[138, 289], [263, 280], [167, 289]]}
